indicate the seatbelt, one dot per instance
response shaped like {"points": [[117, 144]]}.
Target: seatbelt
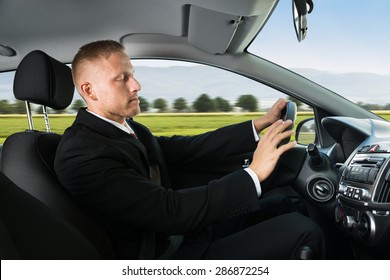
{"points": [[154, 172]]}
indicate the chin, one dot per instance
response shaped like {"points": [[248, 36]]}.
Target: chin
{"points": [[135, 112]]}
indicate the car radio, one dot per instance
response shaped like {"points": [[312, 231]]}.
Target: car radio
{"points": [[359, 175], [363, 200]]}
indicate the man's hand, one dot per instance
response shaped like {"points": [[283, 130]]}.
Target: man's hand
{"points": [[267, 152], [274, 114]]}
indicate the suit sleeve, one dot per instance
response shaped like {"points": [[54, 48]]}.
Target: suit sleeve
{"points": [[102, 179], [218, 144]]}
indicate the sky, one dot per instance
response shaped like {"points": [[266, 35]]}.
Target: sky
{"points": [[343, 36]]}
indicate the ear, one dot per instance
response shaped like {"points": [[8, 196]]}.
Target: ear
{"points": [[86, 90]]}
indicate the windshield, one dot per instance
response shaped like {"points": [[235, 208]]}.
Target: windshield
{"points": [[346, 48]]}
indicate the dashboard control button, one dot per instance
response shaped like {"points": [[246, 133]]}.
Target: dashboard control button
{"points": [[372, 175]]}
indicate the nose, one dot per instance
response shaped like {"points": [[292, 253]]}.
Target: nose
{"points": [[134, 85]]}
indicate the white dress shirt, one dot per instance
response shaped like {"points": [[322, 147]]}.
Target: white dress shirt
{"points": [[250, 171]]}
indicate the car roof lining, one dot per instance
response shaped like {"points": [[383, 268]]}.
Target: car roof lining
{"points": [[74, 23]]}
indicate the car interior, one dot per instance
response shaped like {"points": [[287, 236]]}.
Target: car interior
{"points": [[341, 179]]}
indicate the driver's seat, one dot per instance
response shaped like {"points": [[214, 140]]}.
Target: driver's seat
{"points": [[28, 158]]}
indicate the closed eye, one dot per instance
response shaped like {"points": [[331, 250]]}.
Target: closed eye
{"points": [[124, 77]]}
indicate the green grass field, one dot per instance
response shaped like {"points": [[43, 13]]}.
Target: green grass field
{"points": [[159, 124]]}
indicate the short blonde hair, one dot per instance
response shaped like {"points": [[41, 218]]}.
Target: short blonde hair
{"points": [[93, 51]]}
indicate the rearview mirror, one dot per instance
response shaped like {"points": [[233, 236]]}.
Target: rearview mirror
{"points": [[300, 9]]}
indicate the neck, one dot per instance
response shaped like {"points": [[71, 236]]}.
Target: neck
{"points": [[119, 120]]}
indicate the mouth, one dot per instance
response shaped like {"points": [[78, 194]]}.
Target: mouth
{"points": [[135, 99]]}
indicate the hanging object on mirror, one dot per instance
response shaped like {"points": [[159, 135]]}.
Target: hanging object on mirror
{"points": [[300, 10]]}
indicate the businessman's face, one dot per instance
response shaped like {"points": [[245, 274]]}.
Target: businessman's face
{"points": [[113, 90]]}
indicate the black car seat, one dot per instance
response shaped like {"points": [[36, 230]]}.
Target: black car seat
{"points": [[29, 229], [27, 160]]}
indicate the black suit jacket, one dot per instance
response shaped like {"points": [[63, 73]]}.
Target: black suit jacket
{"points": [[109, 172]]}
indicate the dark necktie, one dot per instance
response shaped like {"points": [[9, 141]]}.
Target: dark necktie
{"points": [[132, 134]]}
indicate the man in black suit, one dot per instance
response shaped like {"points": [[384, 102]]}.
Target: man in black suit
{"points": [[124, 178]]}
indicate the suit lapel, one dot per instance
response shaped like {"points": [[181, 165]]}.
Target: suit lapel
{"points": [[148, 140], [108, 130], [154, 152]]}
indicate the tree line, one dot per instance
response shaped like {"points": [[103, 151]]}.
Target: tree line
{"points": [[204, 103], [19, 107]]}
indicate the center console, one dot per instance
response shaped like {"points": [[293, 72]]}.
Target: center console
{"points": [[363, 198]]}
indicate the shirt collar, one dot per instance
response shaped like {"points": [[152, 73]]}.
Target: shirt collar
{"points": [[126, 128]]}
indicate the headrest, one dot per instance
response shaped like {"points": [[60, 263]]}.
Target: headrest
{"points": [[43, 80]]}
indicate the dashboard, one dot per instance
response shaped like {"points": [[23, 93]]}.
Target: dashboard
{"points": [[362, 209]]}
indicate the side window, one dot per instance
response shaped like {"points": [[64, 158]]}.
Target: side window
{"points": [[8, 105], [13, 112], [195, 98], [176, 98]]}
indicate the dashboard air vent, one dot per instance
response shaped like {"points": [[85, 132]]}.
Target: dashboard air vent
{"points": [[383, 193]]}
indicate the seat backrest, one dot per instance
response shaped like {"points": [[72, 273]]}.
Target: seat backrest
{"points": [[28, 157]]}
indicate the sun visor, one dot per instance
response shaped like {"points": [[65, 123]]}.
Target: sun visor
{"points": [[211, 31]]}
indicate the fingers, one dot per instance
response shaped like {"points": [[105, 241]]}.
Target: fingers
{"points": [[286, 147], [274, 114], [277, 132], [278, 107], [268, 150], [281, 103]]}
